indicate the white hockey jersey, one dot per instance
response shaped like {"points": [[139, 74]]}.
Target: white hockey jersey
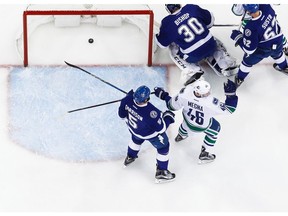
{"points": [[197, 112]]}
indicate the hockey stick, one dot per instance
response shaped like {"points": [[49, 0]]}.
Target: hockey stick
{"points": [[93, 106], [74, 66], [97, 105], [242, 18]]}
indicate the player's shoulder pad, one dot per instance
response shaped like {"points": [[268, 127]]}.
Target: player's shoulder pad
{"points": [[248, 32], [154, 114]]}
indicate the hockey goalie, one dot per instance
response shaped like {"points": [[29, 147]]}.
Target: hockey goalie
{"points": [[185, 31]]}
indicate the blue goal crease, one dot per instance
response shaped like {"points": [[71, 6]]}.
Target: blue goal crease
{"points": [[39, 98]]}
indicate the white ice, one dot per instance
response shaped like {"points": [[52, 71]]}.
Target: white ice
{"points": [[249, 174]]}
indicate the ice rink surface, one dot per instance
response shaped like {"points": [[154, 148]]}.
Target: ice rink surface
{"points": [[250, 173]]}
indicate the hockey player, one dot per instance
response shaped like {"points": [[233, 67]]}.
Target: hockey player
{"points": [[239, 10], [262, 38], [198, 110], [186, 32], [146, 122]]}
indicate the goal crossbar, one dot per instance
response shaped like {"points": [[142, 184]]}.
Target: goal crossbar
{"points": [[88, 12]]}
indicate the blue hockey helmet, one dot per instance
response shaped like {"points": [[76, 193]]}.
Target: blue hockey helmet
{"points": [[141, 95], [171, 8], [251, 8]]}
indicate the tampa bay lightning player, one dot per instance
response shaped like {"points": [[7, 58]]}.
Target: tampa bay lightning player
{"points": [[146, 122], [238, 10], [185, 31], [262, 37]]}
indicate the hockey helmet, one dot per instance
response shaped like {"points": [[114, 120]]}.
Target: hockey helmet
{"points": [[202, 88], [141, 95], [251, 8], [171, 8]]}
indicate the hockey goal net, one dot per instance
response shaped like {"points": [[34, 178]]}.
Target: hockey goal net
{"points": [[68, 18]]}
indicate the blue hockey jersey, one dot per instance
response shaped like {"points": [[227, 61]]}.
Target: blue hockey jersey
{"points": [[188, 28], [262, 32], [144, 122]]}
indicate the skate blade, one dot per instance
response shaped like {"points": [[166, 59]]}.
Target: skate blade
{"points": [[161, 181], [283, 72], [200, 162], [177, 141]]}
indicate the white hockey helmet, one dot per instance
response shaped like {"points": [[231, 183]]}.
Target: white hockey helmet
{"points": [[202, 88]]}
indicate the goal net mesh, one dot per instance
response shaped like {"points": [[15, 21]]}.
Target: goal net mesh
{"points": [[67, 17]]}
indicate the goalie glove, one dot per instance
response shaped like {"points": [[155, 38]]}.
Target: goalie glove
{"points": [[230, 88]]}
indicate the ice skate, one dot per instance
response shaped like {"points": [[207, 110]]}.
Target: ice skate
{"points": [[179, 138], [206, 157], [128, 160], [285, 50], [163, 176], [285, 71]]}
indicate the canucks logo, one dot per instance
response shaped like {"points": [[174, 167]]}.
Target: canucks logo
{"points": [[222, 106], [215, 101]]}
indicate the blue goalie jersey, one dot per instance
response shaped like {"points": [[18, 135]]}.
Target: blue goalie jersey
{"points": [[188, 28], [263, 32], [144, 122]]}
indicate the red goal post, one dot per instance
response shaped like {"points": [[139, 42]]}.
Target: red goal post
{"points": [[28, 13]]}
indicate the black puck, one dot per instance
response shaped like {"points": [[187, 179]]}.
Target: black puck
{"points": [[90, 40]]}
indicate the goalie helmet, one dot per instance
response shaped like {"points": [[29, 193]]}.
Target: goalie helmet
{"points": [[202, 88], [141, 95], [251, 8], [171, 8]]}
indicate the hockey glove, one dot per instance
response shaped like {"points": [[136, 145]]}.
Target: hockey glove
{"points": [[161, 93], [236, 36], [131, 92], [169, 117], [230, 88]]}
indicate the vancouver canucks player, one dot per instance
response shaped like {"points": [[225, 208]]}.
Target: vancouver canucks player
{"points": [[198, 109]]}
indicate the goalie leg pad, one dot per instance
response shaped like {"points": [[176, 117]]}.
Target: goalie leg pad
{"points": [[221, 62], [189, 71], [191, 74], [181, 63]]}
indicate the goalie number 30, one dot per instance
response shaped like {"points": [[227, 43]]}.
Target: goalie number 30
{"points": [[193, 27]]}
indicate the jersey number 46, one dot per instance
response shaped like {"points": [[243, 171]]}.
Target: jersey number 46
{"points": [[197, 117]]}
